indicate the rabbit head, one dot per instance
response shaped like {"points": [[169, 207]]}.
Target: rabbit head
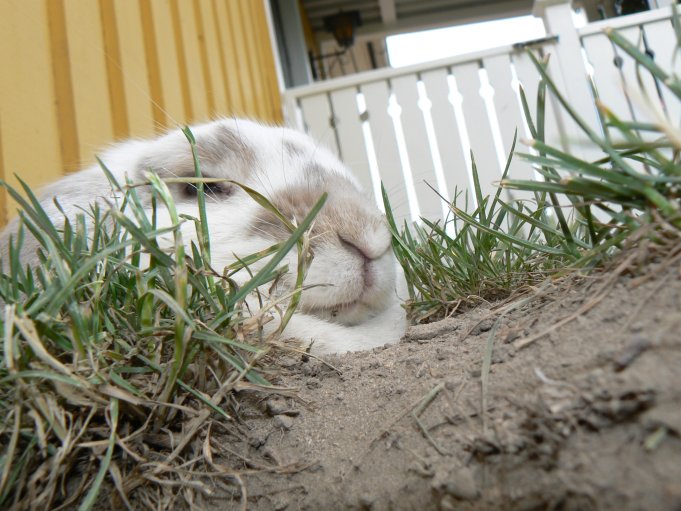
{"points": [[352, 275]]}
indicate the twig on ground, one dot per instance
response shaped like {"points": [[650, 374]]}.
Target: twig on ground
{"points": [[420, 408]]}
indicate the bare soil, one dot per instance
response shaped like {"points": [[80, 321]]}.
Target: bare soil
{"points": [[585, 417]]}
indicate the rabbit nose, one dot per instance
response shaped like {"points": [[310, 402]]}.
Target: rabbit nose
{"points": [[368, 252]]}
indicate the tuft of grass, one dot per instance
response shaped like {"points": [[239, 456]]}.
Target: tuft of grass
{"points": [[582, 213], [113, 339], [475, 255], [638, 179]]}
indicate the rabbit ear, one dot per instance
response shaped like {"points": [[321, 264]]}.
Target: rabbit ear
{"points": [[222, 143], [222, 152]]}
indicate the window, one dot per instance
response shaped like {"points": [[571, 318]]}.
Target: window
{"points": [[426, 45]]}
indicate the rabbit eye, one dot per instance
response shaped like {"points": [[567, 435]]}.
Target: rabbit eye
{"points": [[212, 189]]}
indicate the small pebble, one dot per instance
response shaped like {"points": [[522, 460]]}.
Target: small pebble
{"points": [[630, 353], [313, 383], [484, 326], [459, 483], [276, 406], [283, 421], [257, 442], [288, 362], [280, 505], [637, 327], [279, 406], [512, 336], [366, 502], [452, 385], [448, 503]]}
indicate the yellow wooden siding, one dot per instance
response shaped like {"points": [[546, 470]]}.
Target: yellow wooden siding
{"points": [[79, 74]]}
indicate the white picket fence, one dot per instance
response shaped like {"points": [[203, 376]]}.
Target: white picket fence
{"points": [[413, 128]]}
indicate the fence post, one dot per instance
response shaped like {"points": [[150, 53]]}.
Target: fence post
{"points": [[572, 77], [290, 111]]}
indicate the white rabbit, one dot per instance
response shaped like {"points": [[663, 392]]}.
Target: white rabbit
{"points": [[356, 306]]}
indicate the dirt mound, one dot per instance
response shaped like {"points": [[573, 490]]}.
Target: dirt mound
{"points": [[585, 417]]}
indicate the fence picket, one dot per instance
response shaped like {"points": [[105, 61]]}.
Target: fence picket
{"points": [[509, 116], [352, 148], [446, 132], [417, 145], [377, 95], [478, 126], [430, 142], [317, 115]]}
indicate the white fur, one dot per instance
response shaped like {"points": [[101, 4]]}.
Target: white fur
{"points": [[354, 303]]}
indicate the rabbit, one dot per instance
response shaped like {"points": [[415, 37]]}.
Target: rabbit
{"points": [[351, 300]]}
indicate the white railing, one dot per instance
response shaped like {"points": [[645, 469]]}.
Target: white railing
{"points": [[413, 128]]}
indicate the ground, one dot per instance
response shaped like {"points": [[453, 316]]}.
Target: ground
{"points": [[585, 416]]}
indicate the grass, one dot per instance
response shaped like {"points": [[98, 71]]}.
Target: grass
{"points": [[582, 213], [490, 250], [111, 346], [103, 346]]}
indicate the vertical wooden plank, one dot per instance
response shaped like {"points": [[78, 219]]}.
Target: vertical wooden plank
{"points": [[418, 146], [63, 87], [563, 129], [135, 78], [214, 58], [114, 69], [382, 130], [151, 59], [267, 64], [478, 126], [177, 103], [29, 130], [352, 148], [569, 73], [231, 66], [318, 116], [89, 77], [446, 132], [256, 70], [3, 190], [219, 10], [242, 70], [197, 84], [203, 58]]}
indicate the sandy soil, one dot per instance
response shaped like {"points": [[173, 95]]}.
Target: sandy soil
{"points": [[586, 417]]}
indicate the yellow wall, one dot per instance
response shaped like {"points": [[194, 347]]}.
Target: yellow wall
{"points": [[76, 75]]}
